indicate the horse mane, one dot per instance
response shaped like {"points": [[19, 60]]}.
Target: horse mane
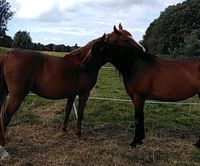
{"points": [[82, 51], [75, 52], [126, 56]]}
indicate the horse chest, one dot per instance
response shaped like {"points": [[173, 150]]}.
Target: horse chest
{"points": [[136, 87]]}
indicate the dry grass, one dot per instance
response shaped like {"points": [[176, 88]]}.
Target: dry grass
{"points": [[33, 145], [103, 144], [59, 54]]}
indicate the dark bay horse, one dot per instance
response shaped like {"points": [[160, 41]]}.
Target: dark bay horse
{"points": [[146, 76], [22, 71]]}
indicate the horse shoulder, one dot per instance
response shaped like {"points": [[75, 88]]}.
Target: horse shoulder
{"points": [[140, 83]]}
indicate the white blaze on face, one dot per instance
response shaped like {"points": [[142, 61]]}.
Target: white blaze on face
{"points": [[87, 57], [130, 37], [89, 52]]}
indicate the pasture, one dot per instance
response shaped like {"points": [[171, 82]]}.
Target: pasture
{"points": [[34, 137]]}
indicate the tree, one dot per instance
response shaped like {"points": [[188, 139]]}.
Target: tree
{"points": [[59, 48], [6, 41], [5, 15], [74, 47], [22, 39], [169, 32], [49, 47], [192, 43]]}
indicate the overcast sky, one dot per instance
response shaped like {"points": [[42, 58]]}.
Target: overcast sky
{"points": [[79, 21]]}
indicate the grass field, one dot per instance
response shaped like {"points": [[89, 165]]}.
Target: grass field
{"points": [[34, 137]]}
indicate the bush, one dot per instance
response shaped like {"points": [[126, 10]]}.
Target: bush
{"points": [[192, 42], [6, 41]]}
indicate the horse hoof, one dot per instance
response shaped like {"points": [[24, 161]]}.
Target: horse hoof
{"points": [[4, 155], [197, 144], [78, 133], [133, 144], [130, 147], [64, 129], [140, 143]]}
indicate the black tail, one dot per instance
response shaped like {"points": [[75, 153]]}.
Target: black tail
{"points": [[3, 86], [3, 94]]}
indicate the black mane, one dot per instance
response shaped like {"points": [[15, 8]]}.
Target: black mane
{"points": [[127, 58]]}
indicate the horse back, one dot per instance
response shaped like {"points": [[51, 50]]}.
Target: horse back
{"points": [[23, 62], [20, 69], [172, 80]]}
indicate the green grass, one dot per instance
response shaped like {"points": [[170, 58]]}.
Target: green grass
{"points": [[109, 84], [3, 50], [195, 157]]}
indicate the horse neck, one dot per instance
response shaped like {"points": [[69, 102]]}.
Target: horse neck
{"points": [[82, 51], [76, 53], [128, 68], [115, 58]]}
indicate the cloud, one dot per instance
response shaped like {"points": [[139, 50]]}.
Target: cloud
{"points": [[83, 20], [34, 9]]}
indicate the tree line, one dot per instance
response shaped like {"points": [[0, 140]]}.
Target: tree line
{"points": [[22, 39], [176, 31]]}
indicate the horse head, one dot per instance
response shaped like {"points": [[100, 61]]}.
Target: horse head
{"points": [[93, 57], [120, 37], [123, 37]]}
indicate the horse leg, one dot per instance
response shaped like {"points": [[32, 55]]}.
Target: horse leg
{"points": [[68, 109], [139, 121], [2, 109], [81, 106], [197, 144], [3, 153], [12, 106]]}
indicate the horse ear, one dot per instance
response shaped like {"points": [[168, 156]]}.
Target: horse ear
{"points": [[107, 38], [103, 38], [120, 26], [118, 33]]}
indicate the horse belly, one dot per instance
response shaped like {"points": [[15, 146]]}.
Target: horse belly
{"points": [[56, 91], [57, 87], [174, 89]]}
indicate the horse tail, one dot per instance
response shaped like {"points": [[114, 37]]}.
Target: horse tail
{"points": [[3, 94]]}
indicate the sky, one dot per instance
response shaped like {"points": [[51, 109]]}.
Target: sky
{"points": [[80, 21]]}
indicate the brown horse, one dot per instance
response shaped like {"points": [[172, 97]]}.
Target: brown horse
{"points": [[146, 76], [22, 71], [50, 77]]}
